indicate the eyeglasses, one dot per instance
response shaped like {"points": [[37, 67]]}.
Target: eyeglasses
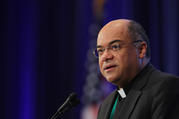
{"points": [[98, 52]]}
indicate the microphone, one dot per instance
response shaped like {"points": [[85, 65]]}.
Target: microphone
{"points": [[70, 102]]}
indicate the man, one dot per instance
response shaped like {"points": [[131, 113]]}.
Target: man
{"points": [[124, 60]]}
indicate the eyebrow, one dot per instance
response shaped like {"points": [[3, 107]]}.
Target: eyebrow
{"points": [[110, 43]]}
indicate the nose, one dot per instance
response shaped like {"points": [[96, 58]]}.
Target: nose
{"points": [[107, 55]]}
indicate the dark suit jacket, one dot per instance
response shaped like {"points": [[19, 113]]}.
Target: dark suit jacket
{"points": [[153, 95]]}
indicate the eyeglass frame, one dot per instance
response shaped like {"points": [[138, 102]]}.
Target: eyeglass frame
{"points": [[110, 47]]}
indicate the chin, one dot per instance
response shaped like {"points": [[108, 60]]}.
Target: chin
{"points": [[113, 80]]}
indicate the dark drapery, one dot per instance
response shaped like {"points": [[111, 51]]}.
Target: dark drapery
{"points": [[44, 45]]}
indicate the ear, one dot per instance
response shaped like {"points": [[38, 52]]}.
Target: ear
{"points": [[142, 49]]}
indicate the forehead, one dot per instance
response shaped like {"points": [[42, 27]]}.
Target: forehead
{"points": [[112, 32]]}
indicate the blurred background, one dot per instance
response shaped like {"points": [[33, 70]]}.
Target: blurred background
{"points": [[46, 51]]}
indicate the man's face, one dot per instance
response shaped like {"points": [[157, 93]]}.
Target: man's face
{"points": [[117, 64]]}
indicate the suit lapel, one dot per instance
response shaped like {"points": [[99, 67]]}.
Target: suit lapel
{"points": [[129, 104], [108, 105], [133, 96], [135, 92]]}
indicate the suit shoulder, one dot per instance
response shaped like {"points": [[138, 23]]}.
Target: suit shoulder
{"points": [[110, 97], [106, 105], [161, 77], [159, 81]]}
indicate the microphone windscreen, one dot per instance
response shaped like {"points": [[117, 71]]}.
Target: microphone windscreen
{"points": [[73, 100]]}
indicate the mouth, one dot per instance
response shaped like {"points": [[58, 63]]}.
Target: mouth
{"points": [[110, 67]]}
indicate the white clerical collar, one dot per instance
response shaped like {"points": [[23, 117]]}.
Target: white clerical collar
{"points": [[122, 93]]}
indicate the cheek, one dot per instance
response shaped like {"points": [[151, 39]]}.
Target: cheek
{"points": [[130, 60], [100, 64], [125, 60], [120, 59]]}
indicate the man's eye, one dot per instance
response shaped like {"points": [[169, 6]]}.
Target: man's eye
{"points": [[116, 47], [99, 51]]}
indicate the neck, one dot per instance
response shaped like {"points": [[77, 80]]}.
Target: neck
{"points": [[144, 62], [127, 82]]}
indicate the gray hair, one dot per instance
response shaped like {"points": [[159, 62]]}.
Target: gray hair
{"points": [[137, 32]]}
